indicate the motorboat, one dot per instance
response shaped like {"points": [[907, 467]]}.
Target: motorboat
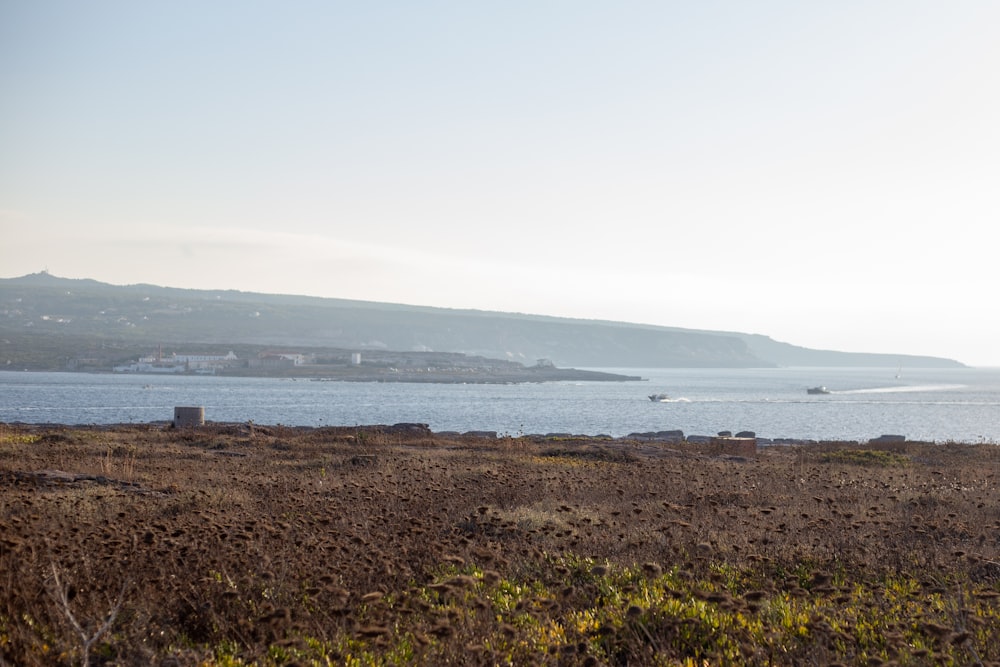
{"points": [[659, 398], [817, 390]]}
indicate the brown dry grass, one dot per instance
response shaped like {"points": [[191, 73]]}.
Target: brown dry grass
{"points": [[232, 545]]}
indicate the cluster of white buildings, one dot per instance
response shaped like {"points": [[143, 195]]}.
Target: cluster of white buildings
{"points": [[209, 364], [179, 363], [277, 360]]}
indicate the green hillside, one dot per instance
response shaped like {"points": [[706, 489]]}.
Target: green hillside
{"points": [[46, 317]]}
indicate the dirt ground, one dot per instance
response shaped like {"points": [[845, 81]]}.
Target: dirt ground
{"points": [[237, 544]]}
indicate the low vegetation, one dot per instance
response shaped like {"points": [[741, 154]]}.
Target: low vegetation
{"points": [[865, 457], [236, 545]]}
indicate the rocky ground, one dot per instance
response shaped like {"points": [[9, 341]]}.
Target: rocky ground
{"points": [[236, 544]]}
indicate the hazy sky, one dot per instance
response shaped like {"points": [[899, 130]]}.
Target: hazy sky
{"points": [[825, 173]]}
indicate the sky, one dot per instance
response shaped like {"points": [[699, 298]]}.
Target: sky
{"points": [[823, 173]]}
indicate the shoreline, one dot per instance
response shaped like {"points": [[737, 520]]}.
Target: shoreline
{"points": [[415, 429], [469, 375], [772, 403]]}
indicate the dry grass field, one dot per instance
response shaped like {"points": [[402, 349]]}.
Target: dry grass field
{"points": [[240, 545]]}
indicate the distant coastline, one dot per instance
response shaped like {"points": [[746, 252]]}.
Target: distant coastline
{"points": [[469, 375], [50, 323]]}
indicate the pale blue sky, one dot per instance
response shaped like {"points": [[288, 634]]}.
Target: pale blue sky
{"points": [[823, 173]]}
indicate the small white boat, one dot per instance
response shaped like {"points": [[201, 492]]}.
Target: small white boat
{"points": [[817, 390]]}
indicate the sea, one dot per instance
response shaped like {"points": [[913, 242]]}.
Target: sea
{"points": [[935, 405]]}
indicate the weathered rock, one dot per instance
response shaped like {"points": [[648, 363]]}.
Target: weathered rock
{"points": [[658, 436], [887, 438], [491, 435]]}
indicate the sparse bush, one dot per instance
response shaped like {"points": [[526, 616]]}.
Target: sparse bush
{"points": [[865, 457]]}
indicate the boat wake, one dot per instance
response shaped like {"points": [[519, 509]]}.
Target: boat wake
{"points": [[906, 389]]}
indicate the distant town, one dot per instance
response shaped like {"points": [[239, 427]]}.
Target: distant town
{"points": [[375, 366], [210, 364]]}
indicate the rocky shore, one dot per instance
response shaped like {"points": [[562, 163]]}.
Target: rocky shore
{"points": [[671, 437]]}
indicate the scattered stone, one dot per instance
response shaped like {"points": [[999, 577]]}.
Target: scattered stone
{"points": [[882, 439], [490, 435], [658, 436]]}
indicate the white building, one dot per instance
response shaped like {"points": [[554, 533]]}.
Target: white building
{"points": [[178, 363]]}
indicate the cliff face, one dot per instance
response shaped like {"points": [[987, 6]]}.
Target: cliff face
{"points": [[43, 307]]}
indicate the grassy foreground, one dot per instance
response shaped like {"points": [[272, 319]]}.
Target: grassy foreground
{"points": [[239, 545]]}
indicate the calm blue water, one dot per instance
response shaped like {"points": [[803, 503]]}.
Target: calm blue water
{"points": [[927, 404]]}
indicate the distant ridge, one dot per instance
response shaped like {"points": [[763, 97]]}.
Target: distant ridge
{"points": [[47, 306]]}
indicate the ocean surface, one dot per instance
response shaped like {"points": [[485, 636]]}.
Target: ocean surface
{"points": [[940, 405]]}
